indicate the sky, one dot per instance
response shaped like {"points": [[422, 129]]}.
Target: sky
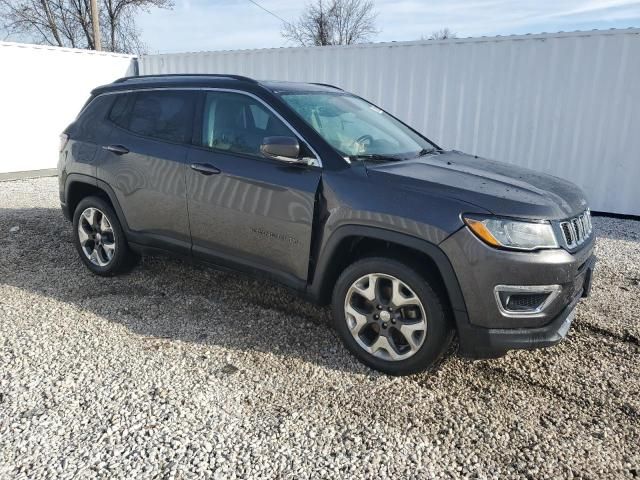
{"points": [[196, 25]]}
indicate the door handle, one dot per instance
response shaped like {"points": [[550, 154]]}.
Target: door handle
{"points": [[205, 168], [117, 149]]}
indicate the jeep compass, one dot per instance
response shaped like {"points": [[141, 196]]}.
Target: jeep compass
{"points": [[328, 194]]}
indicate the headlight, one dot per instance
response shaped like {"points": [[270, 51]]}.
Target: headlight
{"points": [[515, 234]]}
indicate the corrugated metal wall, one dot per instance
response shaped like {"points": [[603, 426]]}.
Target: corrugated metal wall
{"points": [[41, 91], [567, 103]]}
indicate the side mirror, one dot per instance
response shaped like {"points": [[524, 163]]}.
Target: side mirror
{"points": [[281, 148]]}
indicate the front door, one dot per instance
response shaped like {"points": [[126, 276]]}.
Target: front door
{"points": [[245, 208], [144, 163]]}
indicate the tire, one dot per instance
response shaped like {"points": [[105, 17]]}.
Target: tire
{"points": [[99, 238], [414, 323]]}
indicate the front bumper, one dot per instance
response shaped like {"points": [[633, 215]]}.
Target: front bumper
{"points": [[479, 342], [486, 332]]}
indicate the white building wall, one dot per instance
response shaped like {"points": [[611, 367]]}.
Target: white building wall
{"points": [[41, 91], [566, 104]]}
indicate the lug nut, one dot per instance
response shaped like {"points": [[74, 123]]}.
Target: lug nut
{"points": [[384, 325], [379, 307], [375, 316]]}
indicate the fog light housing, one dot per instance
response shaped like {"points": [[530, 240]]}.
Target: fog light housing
{"points": [[525, 300]]}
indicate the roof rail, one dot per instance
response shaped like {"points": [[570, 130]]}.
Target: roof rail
{"points": [[164, 75], [326, 85]]}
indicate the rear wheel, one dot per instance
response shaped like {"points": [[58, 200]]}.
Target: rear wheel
{"points": [[390, 317], [99, 238]]}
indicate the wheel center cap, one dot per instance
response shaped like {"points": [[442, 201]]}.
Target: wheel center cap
{"points": [[385, 316]]}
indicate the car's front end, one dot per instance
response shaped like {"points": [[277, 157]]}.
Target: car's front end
{"points": [[522, 252], [520, 297]]}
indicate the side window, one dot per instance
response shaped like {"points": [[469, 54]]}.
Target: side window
{"points": [[260, 116], [89, 124], [238, 123], [119, 111], [163, 115]]}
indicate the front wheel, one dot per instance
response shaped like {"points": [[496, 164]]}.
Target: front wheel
{"points": [[390, 317]]}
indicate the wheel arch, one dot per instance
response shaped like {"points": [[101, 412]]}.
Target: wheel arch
{"points": [[78, 186], [348, 243]]}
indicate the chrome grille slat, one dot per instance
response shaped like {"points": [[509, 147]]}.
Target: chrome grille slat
{"points": [[574, 223], [580, 229], [566, 231], [576, 230]]}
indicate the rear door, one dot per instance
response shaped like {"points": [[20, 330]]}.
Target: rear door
{"points": [[145, 164], [244, 208]]}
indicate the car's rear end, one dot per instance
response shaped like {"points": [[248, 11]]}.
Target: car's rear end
{"points": [[80, 143]]}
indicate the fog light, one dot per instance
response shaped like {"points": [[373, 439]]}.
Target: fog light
{"points": [[525, 300]]}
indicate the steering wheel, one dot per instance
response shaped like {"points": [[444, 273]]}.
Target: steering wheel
{"points": [[365, 138], [363, 142]]}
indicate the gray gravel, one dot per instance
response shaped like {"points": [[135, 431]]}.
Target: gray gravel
{"points": [[176, 371]]}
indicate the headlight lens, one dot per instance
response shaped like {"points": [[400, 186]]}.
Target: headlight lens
{"points": [[515, 234]]}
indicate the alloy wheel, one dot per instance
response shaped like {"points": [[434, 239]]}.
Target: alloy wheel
{"points": [[385, 317], [96, 237]]}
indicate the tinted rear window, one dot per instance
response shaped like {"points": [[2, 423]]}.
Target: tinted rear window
{"points": [[90, 122], [162, 115], [120, 112]]}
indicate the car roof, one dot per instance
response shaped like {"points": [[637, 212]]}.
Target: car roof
{"points": [[209, 80]]}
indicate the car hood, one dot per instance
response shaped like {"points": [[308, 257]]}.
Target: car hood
{"points": [[497, 187]]}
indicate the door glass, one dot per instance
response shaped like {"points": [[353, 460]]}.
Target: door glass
{"points": [[165, 115], [238, 123]]}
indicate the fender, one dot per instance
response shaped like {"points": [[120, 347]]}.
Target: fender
{"points": [[94, 182], [116, 205], [111, 194], [79, 178], [68, 179], [434, 252]]}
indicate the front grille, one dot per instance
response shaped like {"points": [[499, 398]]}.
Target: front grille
{"points": [[577, 230]]}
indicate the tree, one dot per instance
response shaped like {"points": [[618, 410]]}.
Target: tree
{"points": [[67, 23], [442, 34], [333, 22]]}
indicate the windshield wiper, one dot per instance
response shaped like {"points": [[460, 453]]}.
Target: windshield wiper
{"points": [[427, 151], [374, 157]]}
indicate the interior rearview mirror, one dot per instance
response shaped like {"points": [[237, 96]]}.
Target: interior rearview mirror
{"points": [[282, 148]]}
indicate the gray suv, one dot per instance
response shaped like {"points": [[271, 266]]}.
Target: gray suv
{"points": [[324, 192]]}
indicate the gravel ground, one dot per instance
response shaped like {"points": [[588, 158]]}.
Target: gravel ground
{"points": [[176, 371]]}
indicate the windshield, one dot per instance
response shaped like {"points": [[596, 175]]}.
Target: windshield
{"points": [[356, 128]]}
